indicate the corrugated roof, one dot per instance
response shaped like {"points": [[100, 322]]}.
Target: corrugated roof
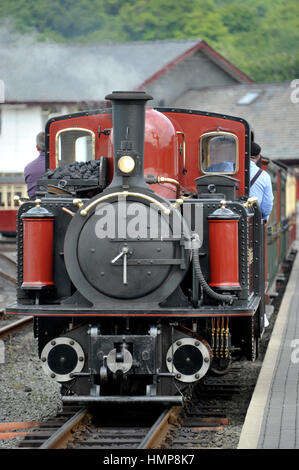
{"points": [[272, 115], [60, 72]]}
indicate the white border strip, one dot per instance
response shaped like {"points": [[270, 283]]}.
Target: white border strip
{"points": [[253, 422], [2, 92]]}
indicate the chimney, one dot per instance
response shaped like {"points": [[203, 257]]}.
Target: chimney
{"points": [[128, 114]]}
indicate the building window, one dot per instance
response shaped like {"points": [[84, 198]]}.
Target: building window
{"points": [[48, 112], [218, 153], [74, 145], [249, 98]]}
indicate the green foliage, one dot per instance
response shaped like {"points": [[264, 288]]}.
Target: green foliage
{"points": [[260, 37], [239, 17]]}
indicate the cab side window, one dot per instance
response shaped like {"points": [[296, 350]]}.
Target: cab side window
{"points": [[218, 153], [74, 145]]}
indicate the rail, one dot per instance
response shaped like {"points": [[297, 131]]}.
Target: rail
{"points": [[158, 432], [61, 437], [14, 326]]}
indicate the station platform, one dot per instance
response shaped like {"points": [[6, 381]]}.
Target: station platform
{"points": [[272, 420]]}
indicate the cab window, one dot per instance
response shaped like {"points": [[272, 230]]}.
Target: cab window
{"points": [[74, 145], [218, 153]]}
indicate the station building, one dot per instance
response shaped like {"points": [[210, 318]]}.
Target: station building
{"points": [[43, 80]]}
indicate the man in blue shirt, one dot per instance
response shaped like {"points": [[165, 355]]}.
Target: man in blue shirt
{"points": [[260, 183], [222, 167]]}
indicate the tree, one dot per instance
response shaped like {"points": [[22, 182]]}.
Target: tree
{"points": [[259, 36]]}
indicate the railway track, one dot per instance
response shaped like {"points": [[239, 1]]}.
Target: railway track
{"points": [[144, 430], [131, 427], [8, 266], [9, 324], [7, 241], [13, 326], [80, 428]]}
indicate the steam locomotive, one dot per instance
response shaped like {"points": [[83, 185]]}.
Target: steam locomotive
{"points": [[143, 258]]}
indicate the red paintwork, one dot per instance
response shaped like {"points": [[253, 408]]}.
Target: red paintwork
{"points": [[239, 313], [193, 126], [87, 122], [224, 253], [264, 166], [162, 139], [266, 251], [160, 151], [278, 214], [38, 252], [8, 220]]}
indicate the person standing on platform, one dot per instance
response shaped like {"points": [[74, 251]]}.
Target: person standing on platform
{"points": [[260, 183], [36, 168]]}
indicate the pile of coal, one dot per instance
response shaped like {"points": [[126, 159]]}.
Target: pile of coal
{"points": [[78, 170]]}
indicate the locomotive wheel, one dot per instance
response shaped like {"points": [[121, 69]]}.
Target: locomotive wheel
{"points": [[221, 366]]}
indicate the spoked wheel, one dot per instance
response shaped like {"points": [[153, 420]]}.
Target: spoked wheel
{"points": [[221, 366]]}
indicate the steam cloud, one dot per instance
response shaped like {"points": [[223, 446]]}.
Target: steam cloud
{"points": [[47, 71], [38, 72]]}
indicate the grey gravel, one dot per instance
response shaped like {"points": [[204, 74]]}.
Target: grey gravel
{"points": [[26, 393]]}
